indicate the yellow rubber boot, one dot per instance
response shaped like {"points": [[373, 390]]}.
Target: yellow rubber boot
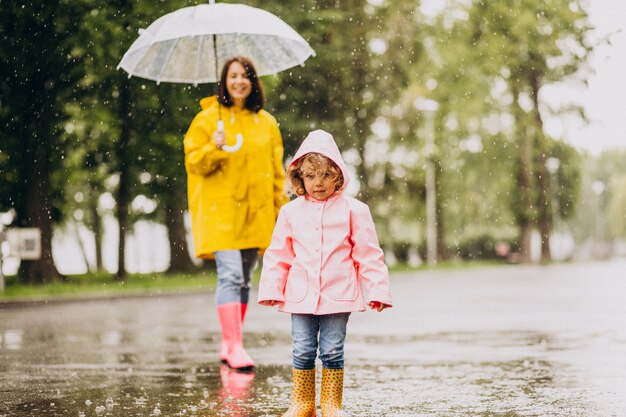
{"points": [[331, 397], [302, 394]]}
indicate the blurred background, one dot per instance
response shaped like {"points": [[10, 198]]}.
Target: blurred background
{"points": [[475, 130]]}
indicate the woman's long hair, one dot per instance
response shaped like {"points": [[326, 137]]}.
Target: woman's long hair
{"points": [[256, 99]]}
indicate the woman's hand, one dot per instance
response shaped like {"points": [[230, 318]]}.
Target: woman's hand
{"points": [[269, 303], [219, 139], [378, 306]]}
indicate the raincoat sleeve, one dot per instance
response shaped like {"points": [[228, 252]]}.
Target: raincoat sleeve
{"points": [[277, 262], [201, 155], [279, 170], [368, 256]]}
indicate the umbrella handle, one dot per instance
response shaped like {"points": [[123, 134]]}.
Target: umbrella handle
{"points": [[230, 148], [236, 146]]}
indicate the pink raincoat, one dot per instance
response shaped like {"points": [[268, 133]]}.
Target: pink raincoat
{"points": [[322, 251]]}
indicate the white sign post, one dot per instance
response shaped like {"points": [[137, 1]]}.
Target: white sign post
{"points": [[23, 243]]}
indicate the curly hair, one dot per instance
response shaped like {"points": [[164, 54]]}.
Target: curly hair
{"points": [[320, 164]]}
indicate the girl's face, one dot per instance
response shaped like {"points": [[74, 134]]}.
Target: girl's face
{"points": [[319, 185], [238, 84]]}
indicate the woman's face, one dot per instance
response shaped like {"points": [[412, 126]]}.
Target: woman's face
{"points": [[238, 84]]}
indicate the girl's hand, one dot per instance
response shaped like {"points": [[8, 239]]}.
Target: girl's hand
{"points": [[219, 139], [269, 303], [378, 306]]}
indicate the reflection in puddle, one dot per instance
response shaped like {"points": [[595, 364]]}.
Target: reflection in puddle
{"points": [[111, 338], [527, 387], [235, 393], [12, 339]]}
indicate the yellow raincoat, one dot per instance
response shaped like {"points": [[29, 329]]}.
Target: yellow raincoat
{"points": [[234, 198]]}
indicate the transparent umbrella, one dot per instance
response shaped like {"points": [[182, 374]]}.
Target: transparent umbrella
{"points": [[187, 46]]}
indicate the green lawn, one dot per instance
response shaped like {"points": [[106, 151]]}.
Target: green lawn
{"points": [[105, 285]]}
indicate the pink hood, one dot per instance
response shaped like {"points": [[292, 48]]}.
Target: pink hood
{"points": [[322, 142]]}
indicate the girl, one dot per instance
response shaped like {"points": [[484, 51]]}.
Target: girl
{"points": [[234, 197], [323, 247]]}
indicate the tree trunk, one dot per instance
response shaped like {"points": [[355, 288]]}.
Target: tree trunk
{"points": [[75, 228], [180, 260], [35, 171], [544, 206], [524, 210], [37, 213], [442, 249], [38, 135], [96, 223], [123, 189], [544, 194]]}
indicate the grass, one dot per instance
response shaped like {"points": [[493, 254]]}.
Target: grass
{"points": [[104, 284], [447, 265]]}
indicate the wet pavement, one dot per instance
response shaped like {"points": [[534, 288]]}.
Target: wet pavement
{"points": [[504, 341]]}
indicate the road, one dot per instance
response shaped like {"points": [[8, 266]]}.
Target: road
{"points": [[501, 341]]}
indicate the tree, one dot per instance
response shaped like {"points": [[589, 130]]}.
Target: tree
{"points": [[164, 160], [530, 44], [598, 214], [143, 130], [559, 189], [41, 69]]}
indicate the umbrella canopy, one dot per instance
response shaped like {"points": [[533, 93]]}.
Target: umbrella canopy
{"points": [[188, 45]]}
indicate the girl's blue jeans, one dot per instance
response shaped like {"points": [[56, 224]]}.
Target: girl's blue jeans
{"points": [[234, 268], [328, 332]]}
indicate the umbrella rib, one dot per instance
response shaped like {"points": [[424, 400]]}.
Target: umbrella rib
{"points": [[288, 52], [169, 54], [198, 60], [260, 51]]}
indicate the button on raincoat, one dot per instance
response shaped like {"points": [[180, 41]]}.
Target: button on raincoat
{"points": [[323, 252], [234, 198]]}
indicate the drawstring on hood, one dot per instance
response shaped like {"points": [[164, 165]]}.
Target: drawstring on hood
{"points": [[322, 142]]}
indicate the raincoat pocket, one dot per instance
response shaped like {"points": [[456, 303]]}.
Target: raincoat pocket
{"points": [[341, 284], [297, 285]]}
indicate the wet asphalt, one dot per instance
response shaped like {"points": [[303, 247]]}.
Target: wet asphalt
{"points": [[500, 341]]}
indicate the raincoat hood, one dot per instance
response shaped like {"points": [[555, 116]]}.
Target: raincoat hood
{"points": [[322, 142], [207, 102]]}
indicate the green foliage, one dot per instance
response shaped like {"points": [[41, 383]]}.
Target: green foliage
{"points": [[478, 59], [40, 77], [600, 213], [486, 58]]}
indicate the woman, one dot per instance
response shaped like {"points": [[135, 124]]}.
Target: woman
{"points": [[234, 197]]}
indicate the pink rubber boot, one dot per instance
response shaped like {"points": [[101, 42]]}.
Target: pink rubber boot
{"points": [[223, 347], [230, 320]]}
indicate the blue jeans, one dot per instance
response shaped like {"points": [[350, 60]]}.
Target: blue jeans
{"points": [[234, 268], [331, 329]]}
